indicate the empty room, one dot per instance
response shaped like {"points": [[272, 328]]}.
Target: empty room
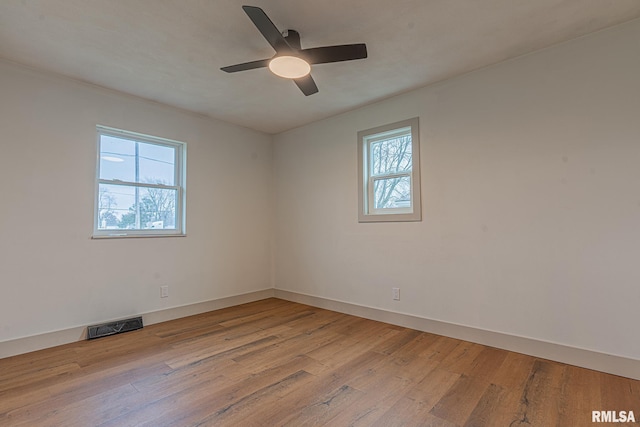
{"points": [[286, 213]]}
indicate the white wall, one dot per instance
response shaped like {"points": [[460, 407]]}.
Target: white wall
{"points": [[531, 201], [53, 275]]}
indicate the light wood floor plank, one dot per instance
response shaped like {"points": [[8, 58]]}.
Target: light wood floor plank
{"points": [[277, 363]]}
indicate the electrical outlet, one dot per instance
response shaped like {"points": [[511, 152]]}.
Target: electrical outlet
{"points": [[164, 291], [396, 293]]}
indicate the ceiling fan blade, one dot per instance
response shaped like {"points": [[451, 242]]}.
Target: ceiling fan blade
{"points": [[267, 29], [246, 66], [326, 54], [306, 85]]}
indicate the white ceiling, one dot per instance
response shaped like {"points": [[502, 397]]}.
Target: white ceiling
{"points": [[171, 51]]}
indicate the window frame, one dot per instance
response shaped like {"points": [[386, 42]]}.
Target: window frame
{"points": [[179, 185], [366, 209]]}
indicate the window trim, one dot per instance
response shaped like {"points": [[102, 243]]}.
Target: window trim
{"points": [[179, 186], [366, 211]]}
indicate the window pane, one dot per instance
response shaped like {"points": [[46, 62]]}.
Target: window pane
{"points": [[157, 164], [391, 155], [133, 161], [117, 158], [158, 208], [392, 192], [117, 208]]}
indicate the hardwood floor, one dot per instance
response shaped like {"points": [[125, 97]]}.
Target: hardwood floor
{"points": [[273, 363]]}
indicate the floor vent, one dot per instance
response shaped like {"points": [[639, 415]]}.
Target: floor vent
{"points": [[112, 328]]}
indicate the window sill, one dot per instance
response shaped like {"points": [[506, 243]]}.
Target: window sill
{"points": [[409, 217], [130, 236]]}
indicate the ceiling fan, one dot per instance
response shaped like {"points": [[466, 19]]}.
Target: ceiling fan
{"points": [[290, 60]]}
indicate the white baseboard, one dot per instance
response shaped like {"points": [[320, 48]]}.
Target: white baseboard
{"points": [[612, 364], [603, 362], [79, 333]]}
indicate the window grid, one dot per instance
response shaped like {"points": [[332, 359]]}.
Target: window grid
{"points": [[129, 204], [377, 175], [389, 178]]}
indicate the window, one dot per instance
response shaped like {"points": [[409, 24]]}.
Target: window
{"points": [[389, 173], [140, 185]]}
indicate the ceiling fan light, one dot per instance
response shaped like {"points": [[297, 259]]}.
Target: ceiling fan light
{"points": [[289, 67]]}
